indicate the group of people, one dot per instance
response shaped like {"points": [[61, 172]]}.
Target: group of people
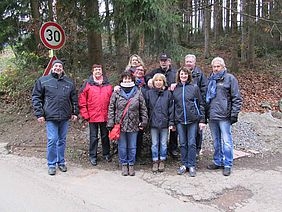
{"points": [[174, 105]]}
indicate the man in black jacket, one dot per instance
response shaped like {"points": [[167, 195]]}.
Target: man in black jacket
{"points": [[201, 81], [170, 74], [223, 106], [54, 100]]}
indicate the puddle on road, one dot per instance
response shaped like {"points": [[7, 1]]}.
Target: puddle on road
{"points": [[231, 199]]}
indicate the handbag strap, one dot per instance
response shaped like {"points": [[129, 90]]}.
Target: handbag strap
{"points": [[125, 110]]}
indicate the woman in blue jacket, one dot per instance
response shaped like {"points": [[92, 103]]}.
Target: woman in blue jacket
{"points": [[189, 113], [160, 107]]}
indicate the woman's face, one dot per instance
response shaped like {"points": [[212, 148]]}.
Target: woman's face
{"points": [[158, 83], [97, 72], [127, 79], [139, 72], [183, 76], [134, 61]]}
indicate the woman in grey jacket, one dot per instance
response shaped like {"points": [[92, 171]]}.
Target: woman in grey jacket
{"points": [[135, 118]]}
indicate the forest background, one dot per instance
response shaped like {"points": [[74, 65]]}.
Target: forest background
{"points": [[246, 33]]}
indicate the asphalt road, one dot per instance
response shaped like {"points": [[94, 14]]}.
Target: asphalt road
{"points": [[26, 186]]}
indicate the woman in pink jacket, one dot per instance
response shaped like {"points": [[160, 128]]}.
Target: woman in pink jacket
{"points": [[94, 100]]}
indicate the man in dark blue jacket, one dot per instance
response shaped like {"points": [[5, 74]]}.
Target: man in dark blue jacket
{"points": [[54, 100], [201, 81], [170, 74], [223, 106]]}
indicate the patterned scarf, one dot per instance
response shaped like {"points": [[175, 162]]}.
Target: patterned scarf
{"points": [[211, 92]]}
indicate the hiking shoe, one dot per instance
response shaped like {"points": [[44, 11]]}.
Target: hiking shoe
{"points": [[108, 158], [93, 161], [181, 170], [161, 166], [124, 170], [214, 167], [51, 170], [155, 166], [174, 154], [192, 171], [226, 171], [131, 170], [63, 168]]}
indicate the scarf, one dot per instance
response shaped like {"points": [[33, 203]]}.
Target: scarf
{"points": [[140, 81], [211, 92], [98, 81], [128, 92]]}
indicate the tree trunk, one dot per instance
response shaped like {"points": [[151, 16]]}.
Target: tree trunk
{"points": [[215, 19], [234, 25], [108, 25], [120, 35], [36, 21], [207, 19], [227, 20], [251, 28], [50, 10], [244, 27], [94, 39]]}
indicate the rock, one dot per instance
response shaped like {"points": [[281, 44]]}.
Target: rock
{"points": [[265, 105], [277, 114], [280, 105]]}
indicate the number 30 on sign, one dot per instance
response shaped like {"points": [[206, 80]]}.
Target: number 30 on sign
{"points": [[52, 35]]}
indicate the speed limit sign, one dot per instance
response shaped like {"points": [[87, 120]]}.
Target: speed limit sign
{"points": [[52, 35]]}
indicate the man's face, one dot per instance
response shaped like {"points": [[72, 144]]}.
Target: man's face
{"points": [[97, 72], [165, 63], [217, 67], [57, 68], [190, 63]]}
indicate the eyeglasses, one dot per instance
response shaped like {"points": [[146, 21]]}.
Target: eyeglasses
{"points": [[139, 69]]}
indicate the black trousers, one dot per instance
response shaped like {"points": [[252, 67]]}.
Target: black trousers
{"points": [[93, 145]]}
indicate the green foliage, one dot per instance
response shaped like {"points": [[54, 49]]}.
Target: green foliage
{"points": [[18, 76]]}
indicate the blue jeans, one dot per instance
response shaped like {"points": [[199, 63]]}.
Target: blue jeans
{"points": [[159, 138], [127, 147], [223, 145], [93, 144], [187, 141], [56, 142]]}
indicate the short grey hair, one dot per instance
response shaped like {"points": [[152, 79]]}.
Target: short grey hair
{"points": [[219, 60], [192, 56]]}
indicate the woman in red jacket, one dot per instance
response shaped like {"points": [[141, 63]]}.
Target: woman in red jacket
{"points": [[94, 99]]}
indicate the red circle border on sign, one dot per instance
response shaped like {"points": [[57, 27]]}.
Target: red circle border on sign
{"points": [[42, 30]]}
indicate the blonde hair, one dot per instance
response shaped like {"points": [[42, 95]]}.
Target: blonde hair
{"points": [[159, 76], [129, 65]]}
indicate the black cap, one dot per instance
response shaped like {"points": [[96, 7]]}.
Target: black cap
{"points": [[164, 56], [57, 61]]}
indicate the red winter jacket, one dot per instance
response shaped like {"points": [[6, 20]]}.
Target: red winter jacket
{"points": [[94, 100]]}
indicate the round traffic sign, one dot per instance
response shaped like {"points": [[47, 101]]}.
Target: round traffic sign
{"points": [[52, 35]]}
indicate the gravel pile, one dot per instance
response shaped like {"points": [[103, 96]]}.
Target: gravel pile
{"points": [[243, 134]]}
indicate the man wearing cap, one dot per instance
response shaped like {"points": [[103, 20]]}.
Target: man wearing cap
{"points": [[54, 100], [170, 74], [201, 81]]}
